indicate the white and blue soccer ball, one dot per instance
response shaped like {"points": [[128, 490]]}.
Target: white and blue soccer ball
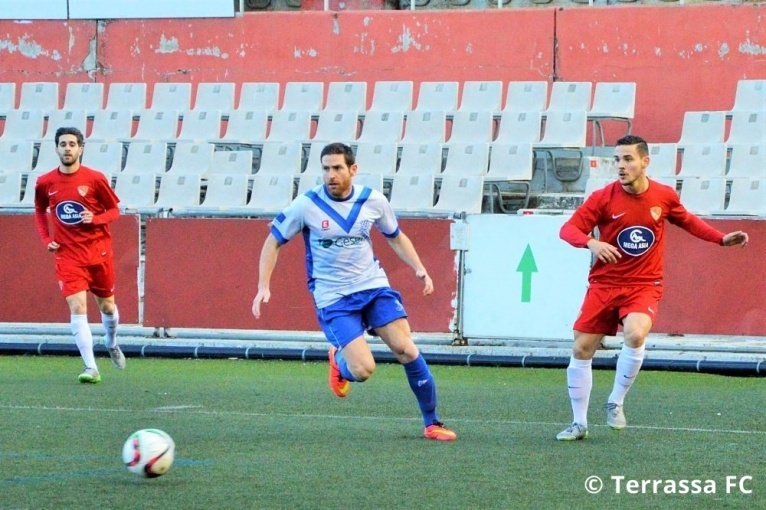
{"points": [[149, 453]]}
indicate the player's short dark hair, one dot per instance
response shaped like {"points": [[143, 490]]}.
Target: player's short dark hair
{"points": [[70, 131], [643, 148], [339, 148]]}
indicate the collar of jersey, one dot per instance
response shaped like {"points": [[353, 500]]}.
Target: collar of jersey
{"points": [[344, 223]]}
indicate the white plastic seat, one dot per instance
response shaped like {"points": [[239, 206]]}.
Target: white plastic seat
{"points": [[373, 181], [412, 193], [136, 191], [334, 125], [171, 96], [7, 98], [564, 130], [244, 128], [156, 125], [519, 127], [670, 181], [750, 96], [481, 96], [16, 155], [702, 128], [308, 182], [200, 126], [42, 96], [700, 160], [146, 158], [567, 96], [179, 191], [612, 101], [663, 160], [377, 158], [215, 96], [289, 126], [232, 162], [10, 189], [226, 191], [595, 183], [510, 166], [84, 96], [392, 96], [382, 127], [47, 157], [105, 157], [435, 96], [472, 127], [271, 193], [126, 96], [344, 96], [281, 158], [313, 164], [28, 198], [467, 159], [23, 125], [65, 118], [303, 96], [259, 97], [460, 193], [703, 196], [747, 161], [192, 158], [111, 125], [747, 128], [425, 127], [424, 158], [747, 198], [526, 96]]}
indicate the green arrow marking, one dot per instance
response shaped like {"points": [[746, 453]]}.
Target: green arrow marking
{"points": [[526, 267]]}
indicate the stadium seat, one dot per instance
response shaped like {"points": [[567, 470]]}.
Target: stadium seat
{"points": [[313, 164], [47, 157], [23, 125], [344, 96], [171, 97], [127, 96], [460, 193], [226, 192], [481, 96], [178, 192], [281, 158], [747, 128], [270, 194], [749, 97], [667, 181], [612, 101], [84, 96], [215, 97], [307, 182], [303, 96], [510, 166], [28, 200], [392, 96], [425, 127], [519, 127], [594, 183], [7, 98], [702, 128], [191, 158], [374, 181], [232, 162], [569, 96], [259, 97], [412, 193], [700, 160], [382, 127], [747, 198], [155, 126], [289, 126], [136, 191], [425, 158], [146, 158], [747, 161], [377, 158], [703, 196], [526, 96], [335, 125], [467, 159], [472, 127], [10, 189], [111, 125], [436, 96], [16, 155], [244, 129], [104, 157], [199, 126], [65, 118], [42, 96], [663, 160], [563, 131]]}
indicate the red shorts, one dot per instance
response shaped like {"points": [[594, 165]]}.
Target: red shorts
{"points": [[98, 278], [604, 308]]}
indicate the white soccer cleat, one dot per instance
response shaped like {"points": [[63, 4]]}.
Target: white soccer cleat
{"points": [[574, 432], [89, 375], [615, 417]]}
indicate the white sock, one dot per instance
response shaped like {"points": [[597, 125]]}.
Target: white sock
{"points": [[628, 364], [580, 382], [83, 338], [110, 325]]}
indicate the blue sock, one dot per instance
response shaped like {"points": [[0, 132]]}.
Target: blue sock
{"points": [[343, 367], [423, 386]]}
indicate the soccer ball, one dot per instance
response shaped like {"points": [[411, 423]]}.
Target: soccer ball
{"points": [[149, 453]]}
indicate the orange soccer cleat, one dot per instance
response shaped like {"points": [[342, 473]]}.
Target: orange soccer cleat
{"points": [[338, 384]]}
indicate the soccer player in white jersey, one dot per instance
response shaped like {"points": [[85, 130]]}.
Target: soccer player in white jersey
{"points": [[350, 289]]}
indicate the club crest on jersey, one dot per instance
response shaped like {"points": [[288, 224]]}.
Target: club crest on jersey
{"points": [[635, 241], [68, 212], [656, 212], [82, 190], [325, 224]]}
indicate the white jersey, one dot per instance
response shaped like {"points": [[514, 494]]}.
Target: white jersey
{"points": [[339, 257]]}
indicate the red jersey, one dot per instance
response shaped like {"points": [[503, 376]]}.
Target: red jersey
{"points": [[68, 195], [635, 224]]}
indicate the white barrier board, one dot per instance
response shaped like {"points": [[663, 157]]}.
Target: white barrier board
{"points": [[33, 9], [124, 9]]}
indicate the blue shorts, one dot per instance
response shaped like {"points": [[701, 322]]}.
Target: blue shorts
{"points": [[347, 319]]}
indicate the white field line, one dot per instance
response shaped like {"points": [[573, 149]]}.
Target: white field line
{"points": [[193, 409]]}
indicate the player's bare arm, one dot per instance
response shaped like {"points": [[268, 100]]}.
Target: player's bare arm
{"points": [[266, 265], [405, 250], [605, 252], [737, 238]]}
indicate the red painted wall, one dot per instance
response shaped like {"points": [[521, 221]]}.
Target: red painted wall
{"points": [[203, 273], [30, 291]]}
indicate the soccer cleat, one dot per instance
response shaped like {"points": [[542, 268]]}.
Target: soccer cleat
{"points": [[573, 433], [89, 375], [438, 432], [118, 358], [338, 384], [615, 417]]}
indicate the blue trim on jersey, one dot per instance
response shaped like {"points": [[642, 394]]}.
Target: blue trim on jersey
{"points": [[349, 197], [309, 259], [278, 235], [279, 218], [344, 223], [392, 235]]}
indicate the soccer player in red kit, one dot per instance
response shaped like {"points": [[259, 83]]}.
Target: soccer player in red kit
{"points": [[625, 281], [81, 205]]}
